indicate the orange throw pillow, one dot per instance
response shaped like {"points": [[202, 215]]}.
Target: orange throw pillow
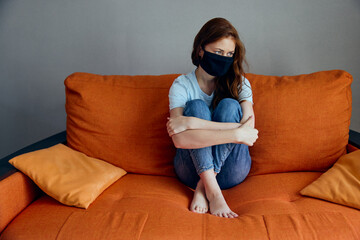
{"points": [[68, 176], [340, 184]]}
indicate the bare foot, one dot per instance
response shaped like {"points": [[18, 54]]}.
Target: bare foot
{"points": [[219, 207], [217, 204], [199, 203]]}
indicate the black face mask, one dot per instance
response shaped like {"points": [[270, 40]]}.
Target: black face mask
{"points": [[216, 65]]}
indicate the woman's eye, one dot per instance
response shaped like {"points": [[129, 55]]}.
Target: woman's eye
{"points": [[218, 52], [230, 54]]}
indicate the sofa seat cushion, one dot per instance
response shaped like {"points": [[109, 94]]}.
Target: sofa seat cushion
{"points": [[156, 207]]}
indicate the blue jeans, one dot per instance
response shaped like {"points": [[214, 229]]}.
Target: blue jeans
{"points": [[231, 161]]}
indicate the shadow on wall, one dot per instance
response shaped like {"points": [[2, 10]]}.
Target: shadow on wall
{"points": [[357, 3], [3, 6]]}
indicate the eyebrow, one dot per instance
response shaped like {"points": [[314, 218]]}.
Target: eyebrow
{"points": [[223, 50]]}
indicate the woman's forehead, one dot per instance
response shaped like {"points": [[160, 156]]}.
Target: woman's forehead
{"points": [[225, 44]]}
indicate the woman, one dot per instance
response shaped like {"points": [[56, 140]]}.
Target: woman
{"points": [[212, 119]]}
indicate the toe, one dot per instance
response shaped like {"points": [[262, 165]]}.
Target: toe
{"points": [[234, 214], [196, 209]]}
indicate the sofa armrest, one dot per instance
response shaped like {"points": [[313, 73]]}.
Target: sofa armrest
{"points": [[17, 190], [6, 169], [354, 138]]}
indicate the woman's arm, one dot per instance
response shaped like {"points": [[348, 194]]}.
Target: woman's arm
{"points": [[247, 110], [199, 138], [182, 123], [178, 123]]}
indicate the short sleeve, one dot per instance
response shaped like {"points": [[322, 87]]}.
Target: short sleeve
{"points": [[246, 92], [177, 94]]}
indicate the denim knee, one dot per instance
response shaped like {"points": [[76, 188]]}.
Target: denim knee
{"points": [[197, 108], [228, 110]]}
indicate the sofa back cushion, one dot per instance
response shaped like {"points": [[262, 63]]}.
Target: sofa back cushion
{"points": [[303, 121], [121, 120]]}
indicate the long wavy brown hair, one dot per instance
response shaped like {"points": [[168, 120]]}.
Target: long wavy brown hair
{"points": [[229, 85]]}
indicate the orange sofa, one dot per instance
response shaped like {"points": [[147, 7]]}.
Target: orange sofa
{"points": [[303, 124]]}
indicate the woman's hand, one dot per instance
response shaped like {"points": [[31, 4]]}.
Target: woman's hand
{"points": [[177, 125], [246, 134]]}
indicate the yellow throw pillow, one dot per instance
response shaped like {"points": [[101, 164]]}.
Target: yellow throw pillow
{"points": [[67, 175], [340, 184]]}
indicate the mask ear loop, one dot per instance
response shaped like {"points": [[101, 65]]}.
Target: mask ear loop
{"points": [[202, 48]]}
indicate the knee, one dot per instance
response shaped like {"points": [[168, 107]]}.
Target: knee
{"points": [[229, 104], [197, 108], [196, 103], [230, 183], [228, 110], [235, 178]]}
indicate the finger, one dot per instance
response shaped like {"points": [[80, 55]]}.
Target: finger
{"points": [[172, 132]]}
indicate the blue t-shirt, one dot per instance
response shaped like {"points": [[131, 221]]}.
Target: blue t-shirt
{"points": [[186, 88]]}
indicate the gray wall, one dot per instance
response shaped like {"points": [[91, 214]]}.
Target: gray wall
{"points": [[43, 41]]}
